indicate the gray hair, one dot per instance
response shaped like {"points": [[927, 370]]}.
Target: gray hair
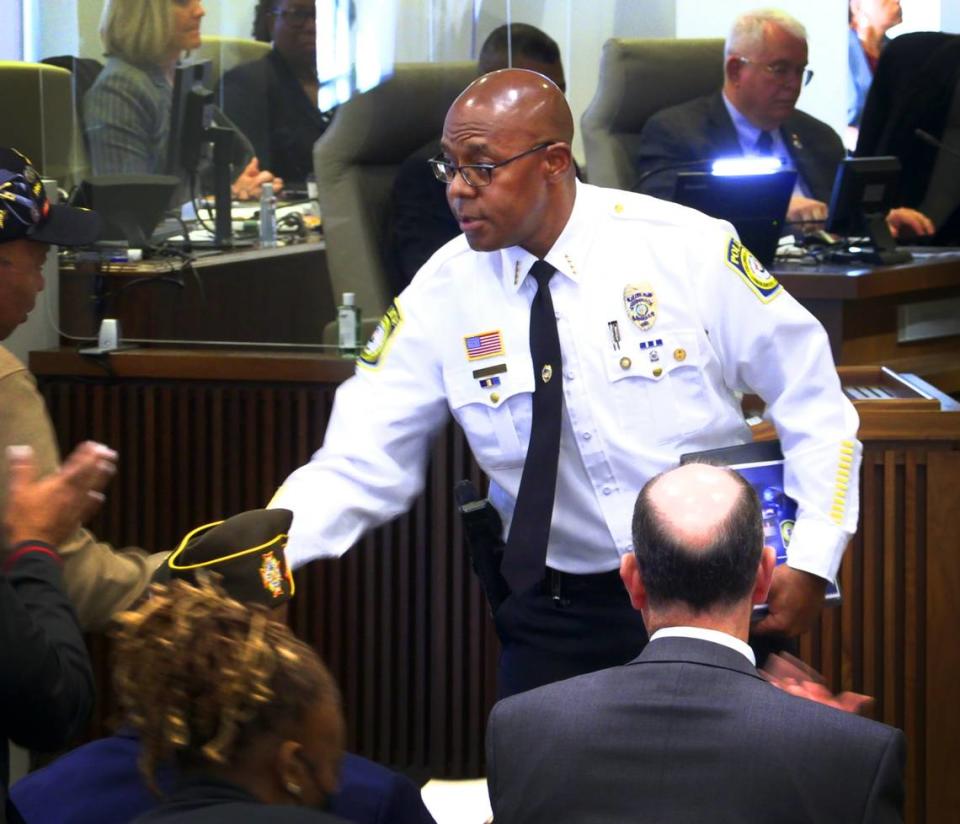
{"points": [[746, 35], [139, 32]]}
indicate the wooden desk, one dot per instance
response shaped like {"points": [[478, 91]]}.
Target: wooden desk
{"points": [[400, 618], [859, 307], [279, 295], [284, 295]]}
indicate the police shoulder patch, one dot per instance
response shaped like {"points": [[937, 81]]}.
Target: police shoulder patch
{"points": [[376, 348], [764, 285]]}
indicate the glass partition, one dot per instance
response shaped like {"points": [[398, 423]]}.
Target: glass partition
{"points": [[278, 70]]}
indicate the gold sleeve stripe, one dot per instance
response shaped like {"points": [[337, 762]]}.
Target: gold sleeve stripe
{"points": [[841, 483]]}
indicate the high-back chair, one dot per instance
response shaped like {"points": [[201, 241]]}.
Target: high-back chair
{"points": [[357, 160], [41, 119], [227, 52], [637, 79]]}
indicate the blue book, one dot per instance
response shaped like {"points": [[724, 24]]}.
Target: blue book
{"points": [[761, 463]]}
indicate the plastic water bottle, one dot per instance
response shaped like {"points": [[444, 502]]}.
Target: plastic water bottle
{"points": [[268, 215]]}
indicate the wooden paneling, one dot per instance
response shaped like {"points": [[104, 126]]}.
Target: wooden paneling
{"points": [[400, 619], [893, 635]]}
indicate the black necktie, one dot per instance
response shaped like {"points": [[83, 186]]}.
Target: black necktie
{"points": [[765, 143], [526, 553]]}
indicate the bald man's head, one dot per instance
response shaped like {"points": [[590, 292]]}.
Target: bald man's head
{"points": [[517, 124], [698, 537], [520, 100]]}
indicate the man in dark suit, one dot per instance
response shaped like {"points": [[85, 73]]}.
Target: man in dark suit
{"points": [[916, 87], [689, 731], [755, 114]]}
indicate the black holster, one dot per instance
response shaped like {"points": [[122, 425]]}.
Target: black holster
{"points": [[483, 529]]}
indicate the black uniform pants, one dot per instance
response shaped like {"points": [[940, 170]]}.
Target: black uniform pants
{"points": [[573, 624]]}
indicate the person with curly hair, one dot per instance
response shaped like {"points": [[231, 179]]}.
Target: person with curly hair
{"points": [[101, 779], [249, 714]]}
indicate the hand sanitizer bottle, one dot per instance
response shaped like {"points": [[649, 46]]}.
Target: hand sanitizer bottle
{"points": [[348, 326]]}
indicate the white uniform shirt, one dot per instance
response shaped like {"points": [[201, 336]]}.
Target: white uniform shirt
{"points": [[456, 342]]}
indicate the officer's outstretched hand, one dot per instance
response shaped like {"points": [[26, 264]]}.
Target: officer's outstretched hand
{"points": [[794, 602]]}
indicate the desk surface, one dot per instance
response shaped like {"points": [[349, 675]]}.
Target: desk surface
{"points": [[928, 271], [253, 365], [251, 295]]}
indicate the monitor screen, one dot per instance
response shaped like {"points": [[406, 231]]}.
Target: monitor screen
{"points": [[131, 205], [755, 204], [863, 192], [190, 114], [864, 186]]}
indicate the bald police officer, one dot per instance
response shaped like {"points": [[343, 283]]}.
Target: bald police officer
{"points": [[660, 316]]}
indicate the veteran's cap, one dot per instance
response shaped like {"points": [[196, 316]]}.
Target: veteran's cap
{"points": [[25, 211], [246, 551]]}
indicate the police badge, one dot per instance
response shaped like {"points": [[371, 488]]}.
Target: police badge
{"points": [[640, 302]]}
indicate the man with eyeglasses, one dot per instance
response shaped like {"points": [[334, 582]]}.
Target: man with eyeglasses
{"points": [[420, 221], [765, 68], [583, 339], [273, 100]]}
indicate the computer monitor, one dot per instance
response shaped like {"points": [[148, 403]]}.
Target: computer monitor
{"points": [[864, 190], [130, 205], [192, 127], [756, 204], [190, 115]]}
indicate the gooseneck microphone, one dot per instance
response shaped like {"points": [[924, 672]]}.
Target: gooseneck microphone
{"points": [[930, 140], [670, 167]]}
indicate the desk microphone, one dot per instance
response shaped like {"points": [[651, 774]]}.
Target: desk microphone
{"points": [[930, 140], [672, 167]]}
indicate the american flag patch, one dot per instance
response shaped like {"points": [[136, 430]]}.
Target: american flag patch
{"points": [[484, 345]]}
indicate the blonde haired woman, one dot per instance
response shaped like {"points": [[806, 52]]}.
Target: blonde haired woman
{"points": [[127, 111]]}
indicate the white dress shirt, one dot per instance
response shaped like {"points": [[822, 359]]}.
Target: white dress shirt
{"points": [[631, 407], [715, 636]]}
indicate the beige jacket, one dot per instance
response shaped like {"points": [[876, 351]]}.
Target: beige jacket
{"points": [[99, 579]]}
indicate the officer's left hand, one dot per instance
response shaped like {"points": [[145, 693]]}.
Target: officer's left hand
{"points": [[794, 601]]}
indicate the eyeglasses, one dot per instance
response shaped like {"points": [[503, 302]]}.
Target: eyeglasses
{"points": [[474, 174], [296, 17], [783, 72]]}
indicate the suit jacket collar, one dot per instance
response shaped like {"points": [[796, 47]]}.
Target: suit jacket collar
{"points": [[695, 651], [722, 131]]}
